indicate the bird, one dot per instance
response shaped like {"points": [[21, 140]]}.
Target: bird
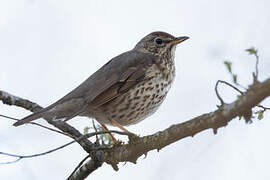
{"points": [[126, 90]]}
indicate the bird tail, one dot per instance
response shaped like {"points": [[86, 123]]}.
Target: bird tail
{"points": [[29, 118]]}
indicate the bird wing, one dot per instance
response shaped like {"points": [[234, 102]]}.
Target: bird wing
{"points": [[129, 78], [111, 80]]}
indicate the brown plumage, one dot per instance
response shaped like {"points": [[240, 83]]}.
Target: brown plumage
{"points": [[125, 90]]}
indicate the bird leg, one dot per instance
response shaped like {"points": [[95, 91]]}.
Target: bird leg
{"points": [[115, 123], [110, 134], [132, 137]]}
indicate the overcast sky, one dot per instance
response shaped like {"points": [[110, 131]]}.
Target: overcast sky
{"points": [[49, 47]]}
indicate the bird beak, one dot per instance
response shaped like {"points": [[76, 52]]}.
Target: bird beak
{"points": [[179, 40]]}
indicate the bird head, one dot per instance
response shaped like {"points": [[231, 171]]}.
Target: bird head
{"points": [[158, 43]]}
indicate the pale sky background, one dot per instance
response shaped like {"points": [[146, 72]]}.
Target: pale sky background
{"points": [[49, 47]]}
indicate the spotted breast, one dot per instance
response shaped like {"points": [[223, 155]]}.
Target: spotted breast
{"points": [[142, 100]]}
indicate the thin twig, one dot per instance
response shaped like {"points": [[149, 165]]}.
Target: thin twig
{"points": [[63, 146], [224, 82], [88, 135], [94, 126], [37, 124], [256, 66], [33, 155], [11, 162], [217, 93], [79, 165], [253, 51], [264, 108]]}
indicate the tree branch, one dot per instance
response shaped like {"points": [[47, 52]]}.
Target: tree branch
{"points": [[79, 165], [10, 99], [141, 145], [89, 167], [87, 145], [213, 120]]}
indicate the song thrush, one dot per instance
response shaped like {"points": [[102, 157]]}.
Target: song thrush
{"points": [[126, 90]]}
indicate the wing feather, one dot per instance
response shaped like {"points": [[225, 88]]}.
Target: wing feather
{"points": [[114, 78]]}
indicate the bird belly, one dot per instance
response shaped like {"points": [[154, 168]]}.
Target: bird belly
{"points": [[137, 104]]}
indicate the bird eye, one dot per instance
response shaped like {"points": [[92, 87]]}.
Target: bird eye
{"points": [[158, 41]]}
